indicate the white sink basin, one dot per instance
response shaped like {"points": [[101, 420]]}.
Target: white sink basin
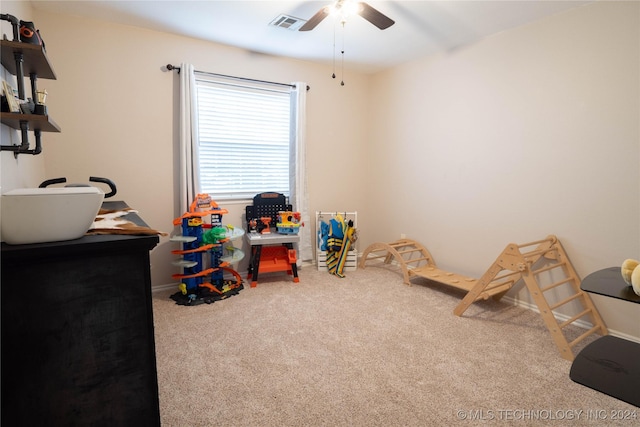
{"points": [[38, 215]]}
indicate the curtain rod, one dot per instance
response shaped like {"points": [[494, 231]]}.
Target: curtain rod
{"points": [[173, 67]]}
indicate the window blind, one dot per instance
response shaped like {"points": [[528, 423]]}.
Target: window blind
{"points": [[244, 131]]}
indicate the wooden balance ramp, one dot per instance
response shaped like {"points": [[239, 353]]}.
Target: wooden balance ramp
{"points": [[516, 262]]}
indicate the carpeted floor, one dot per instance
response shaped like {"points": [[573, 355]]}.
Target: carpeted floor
{"points": [[365, 350]]}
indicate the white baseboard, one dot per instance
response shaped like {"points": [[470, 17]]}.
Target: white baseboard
{"points": [[561, 317], [164, 287]]}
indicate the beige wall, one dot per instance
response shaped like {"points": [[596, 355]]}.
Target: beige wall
{"points": [[532, 132], [118, 112]]}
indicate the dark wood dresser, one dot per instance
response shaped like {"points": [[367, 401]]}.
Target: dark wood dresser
{"points": [[77, 332]]}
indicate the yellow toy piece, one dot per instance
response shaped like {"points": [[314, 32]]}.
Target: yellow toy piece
{"points": [[631, 274], [194, 222]]}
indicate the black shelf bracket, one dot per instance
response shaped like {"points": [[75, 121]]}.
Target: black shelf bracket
{"points": [[24, 147]]}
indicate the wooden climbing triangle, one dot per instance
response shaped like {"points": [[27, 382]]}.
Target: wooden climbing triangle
{"points": [[527, 261]]}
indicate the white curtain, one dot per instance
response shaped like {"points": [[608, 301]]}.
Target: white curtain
{"points": [[298, 178], [189, 174]]}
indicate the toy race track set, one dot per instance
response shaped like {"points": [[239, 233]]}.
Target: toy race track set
{"points": [[206, 255]]}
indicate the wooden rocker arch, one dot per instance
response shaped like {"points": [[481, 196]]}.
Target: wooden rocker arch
{"points": [[408, 253], [414, 260]]}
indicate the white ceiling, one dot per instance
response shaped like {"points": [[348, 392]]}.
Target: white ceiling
{"points": [[422, 27]]}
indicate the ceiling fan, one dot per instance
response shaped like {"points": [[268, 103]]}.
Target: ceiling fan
{"points": [[348, 7]]}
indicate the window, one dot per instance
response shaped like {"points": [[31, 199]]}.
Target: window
{"points": [[245, 132]]}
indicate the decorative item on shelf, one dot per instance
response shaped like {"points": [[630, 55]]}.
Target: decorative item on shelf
{"points": [[29, 33], [41, 97], [27, 107], [12, 101]]}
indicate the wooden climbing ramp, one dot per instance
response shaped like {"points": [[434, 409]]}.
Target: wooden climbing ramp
{"points": [[527, 262]]}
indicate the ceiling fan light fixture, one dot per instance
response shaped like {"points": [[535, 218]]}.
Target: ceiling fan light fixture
{"points": [[343, 9], [350, 8]]}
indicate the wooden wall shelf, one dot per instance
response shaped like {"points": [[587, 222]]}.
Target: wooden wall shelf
{"points": [[36, 121], [34, 57], [26, 60]]}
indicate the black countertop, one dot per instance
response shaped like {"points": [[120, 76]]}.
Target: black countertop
{"points": [[609, 282]]}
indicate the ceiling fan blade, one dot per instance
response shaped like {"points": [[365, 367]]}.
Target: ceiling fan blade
{"points": [[374, 16], [315, 19]]}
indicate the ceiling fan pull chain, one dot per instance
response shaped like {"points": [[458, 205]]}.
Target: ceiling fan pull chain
{"points": [[333, 75], [342, 52]]}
